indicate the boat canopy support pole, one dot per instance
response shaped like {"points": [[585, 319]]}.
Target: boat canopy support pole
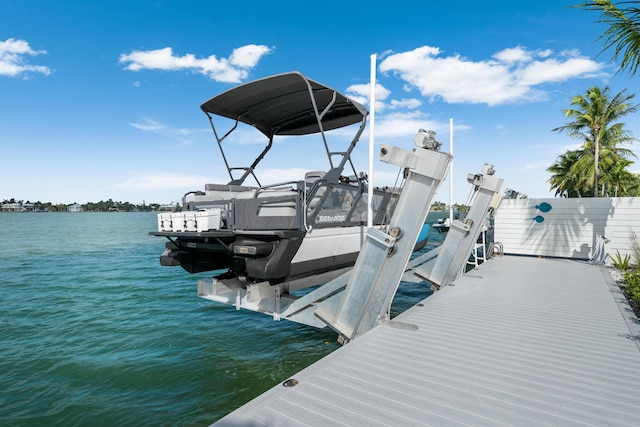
{"points": [[374, 280], [334, 173], [247, 170], [319, 115], [462, 235], [219, 141]]}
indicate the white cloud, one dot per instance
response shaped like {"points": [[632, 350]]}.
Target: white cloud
{"points": [[12, 58], [553, 70], [404, 126], [228, 70], [510, 76], [182, 135], [149, 125], [360, 93], [548, 52], [248, 56], [363, 90], [410, 103], [245, 135], [513, 55]]}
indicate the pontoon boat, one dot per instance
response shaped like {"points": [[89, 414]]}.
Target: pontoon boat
{"points": [[312, 227]]}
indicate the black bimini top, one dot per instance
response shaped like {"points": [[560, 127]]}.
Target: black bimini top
{"points": [[283, 105]]}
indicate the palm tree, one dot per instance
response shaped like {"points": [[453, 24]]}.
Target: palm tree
{"points": [[593, 117], [618, 181], [623, 33], [566, 178]]}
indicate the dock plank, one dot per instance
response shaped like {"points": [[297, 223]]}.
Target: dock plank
{"points": [[517, 341]]}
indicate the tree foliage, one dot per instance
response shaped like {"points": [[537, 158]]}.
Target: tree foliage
{"points": [[602, 156], [101, 206], [623, 32], [439, 206], [565, 179]]}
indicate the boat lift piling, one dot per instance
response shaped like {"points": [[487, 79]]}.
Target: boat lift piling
{"points": [[454, 252], [425, 168], [384, 255]]}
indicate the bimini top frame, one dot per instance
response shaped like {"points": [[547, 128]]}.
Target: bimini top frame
{"points": [[287, 104]]}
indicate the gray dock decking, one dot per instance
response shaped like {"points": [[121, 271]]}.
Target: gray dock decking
{"points": [[518, 341]]}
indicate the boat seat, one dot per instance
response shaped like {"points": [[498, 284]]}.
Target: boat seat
{"points": [[227, 187], [225, 191], [271, 210], [311, 177], [266, 193]]}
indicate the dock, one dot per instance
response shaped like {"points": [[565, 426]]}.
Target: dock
{"points": [[517, 341]]}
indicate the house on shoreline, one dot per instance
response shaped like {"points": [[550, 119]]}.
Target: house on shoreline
{"points": [[17, 207], [31, 207], [11, 205], [74, 207]]}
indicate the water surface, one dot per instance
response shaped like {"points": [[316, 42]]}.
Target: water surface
{"points": [[95, 332]]}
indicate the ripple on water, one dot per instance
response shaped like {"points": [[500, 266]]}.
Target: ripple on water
{"points": [[95, 332]]}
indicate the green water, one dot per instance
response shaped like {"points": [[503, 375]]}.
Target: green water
{"points": [[93, 331]]}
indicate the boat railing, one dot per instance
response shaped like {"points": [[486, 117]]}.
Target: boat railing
{"points": [[342, 204], [290, 205], [271, 190]]}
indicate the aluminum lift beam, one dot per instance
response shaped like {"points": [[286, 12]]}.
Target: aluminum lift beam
{"points": [[440, 266], [425, 170], [375, 277], [359, 299], [454, 252]]}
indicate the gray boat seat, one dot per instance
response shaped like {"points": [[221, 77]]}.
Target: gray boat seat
{"points": [[313, 176], [310, 178], [264, 193], [225, 191]]}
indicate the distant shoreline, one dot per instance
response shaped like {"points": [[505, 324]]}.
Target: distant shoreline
{"points": [[43, 212], [103, 206]]}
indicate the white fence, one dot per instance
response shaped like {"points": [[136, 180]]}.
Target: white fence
{"points": [[569, 228]]}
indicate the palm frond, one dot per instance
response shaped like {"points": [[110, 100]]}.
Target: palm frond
{"points": [[623, 33]]}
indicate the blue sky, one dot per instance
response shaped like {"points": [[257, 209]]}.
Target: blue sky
{"points": [[100, 99]]}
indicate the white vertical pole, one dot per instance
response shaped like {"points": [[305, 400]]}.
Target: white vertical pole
{"points": [[451, 172], [372, 114]]}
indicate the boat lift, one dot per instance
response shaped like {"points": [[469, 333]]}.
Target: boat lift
{"points": [[444, 264], [360, 299]]}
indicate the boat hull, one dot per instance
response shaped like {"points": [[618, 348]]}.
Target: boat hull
{"points": [[267, 256], [273, 257]]}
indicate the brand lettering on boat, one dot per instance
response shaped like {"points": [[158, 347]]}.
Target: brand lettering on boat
{"points": [[330, 218]]}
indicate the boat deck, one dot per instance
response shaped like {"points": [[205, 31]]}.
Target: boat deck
{"points": [[517, 341]]}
